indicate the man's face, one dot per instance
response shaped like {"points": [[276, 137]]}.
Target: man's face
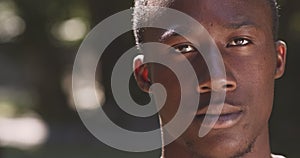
{"points": [[242, 30]]}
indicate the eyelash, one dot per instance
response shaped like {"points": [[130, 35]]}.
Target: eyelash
{"points": [[188, 48], [236, 42]]}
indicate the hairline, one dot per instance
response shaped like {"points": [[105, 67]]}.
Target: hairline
{"points": [[141, 15]]}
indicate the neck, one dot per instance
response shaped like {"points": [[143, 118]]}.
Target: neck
{"points": [[175, 150], [261, 148]]}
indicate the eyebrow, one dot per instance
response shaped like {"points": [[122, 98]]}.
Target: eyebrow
{"points": [[168, 34], [242, 22], [232, 26]]}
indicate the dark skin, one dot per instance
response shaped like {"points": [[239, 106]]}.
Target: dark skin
{"points": [[242, 30]]}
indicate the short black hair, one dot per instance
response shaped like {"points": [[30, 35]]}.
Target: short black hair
{"points": [[141, 15]]}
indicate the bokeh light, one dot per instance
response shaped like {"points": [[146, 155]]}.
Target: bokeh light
{"points": [[11, 24], [70, 30]]}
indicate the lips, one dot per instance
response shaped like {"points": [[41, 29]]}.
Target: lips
{"points": [[220, 116]]}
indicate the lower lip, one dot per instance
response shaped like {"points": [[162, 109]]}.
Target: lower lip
{"points": [[224, 121]]}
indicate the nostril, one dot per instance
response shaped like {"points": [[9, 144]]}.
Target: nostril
{"points": [[229, 87], [216, 85], [203, 89]]}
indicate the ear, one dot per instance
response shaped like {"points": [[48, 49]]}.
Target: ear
{"points": [[141, 73], [281, 50]]}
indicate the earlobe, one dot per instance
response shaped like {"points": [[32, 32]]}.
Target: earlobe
{"points": [[141, 73], [281, 50]]}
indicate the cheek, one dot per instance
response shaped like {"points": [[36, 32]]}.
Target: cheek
{"points": [[256, 79], [168, 79]]}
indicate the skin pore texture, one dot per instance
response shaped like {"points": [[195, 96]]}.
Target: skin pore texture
{"points": [[243, 32]]}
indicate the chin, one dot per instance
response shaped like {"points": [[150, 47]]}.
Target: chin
{"points": [[220, 144], [222, 150]]}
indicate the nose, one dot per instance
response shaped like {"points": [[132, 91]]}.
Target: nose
{"points": [[217, 85]]}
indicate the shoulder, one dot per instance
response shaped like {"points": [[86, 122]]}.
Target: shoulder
{"points": [[272, 155], [276, 156]]}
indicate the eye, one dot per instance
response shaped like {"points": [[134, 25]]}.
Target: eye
{"points": [[186, 48], [238, 42]]}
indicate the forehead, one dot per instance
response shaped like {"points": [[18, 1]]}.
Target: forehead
{"points": [[224, 13], [224, 10]]}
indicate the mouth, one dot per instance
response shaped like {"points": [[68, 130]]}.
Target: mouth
{"points": [[224, 116]]}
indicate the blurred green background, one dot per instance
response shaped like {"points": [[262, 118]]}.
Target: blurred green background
{"points": [[38, 44]]}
